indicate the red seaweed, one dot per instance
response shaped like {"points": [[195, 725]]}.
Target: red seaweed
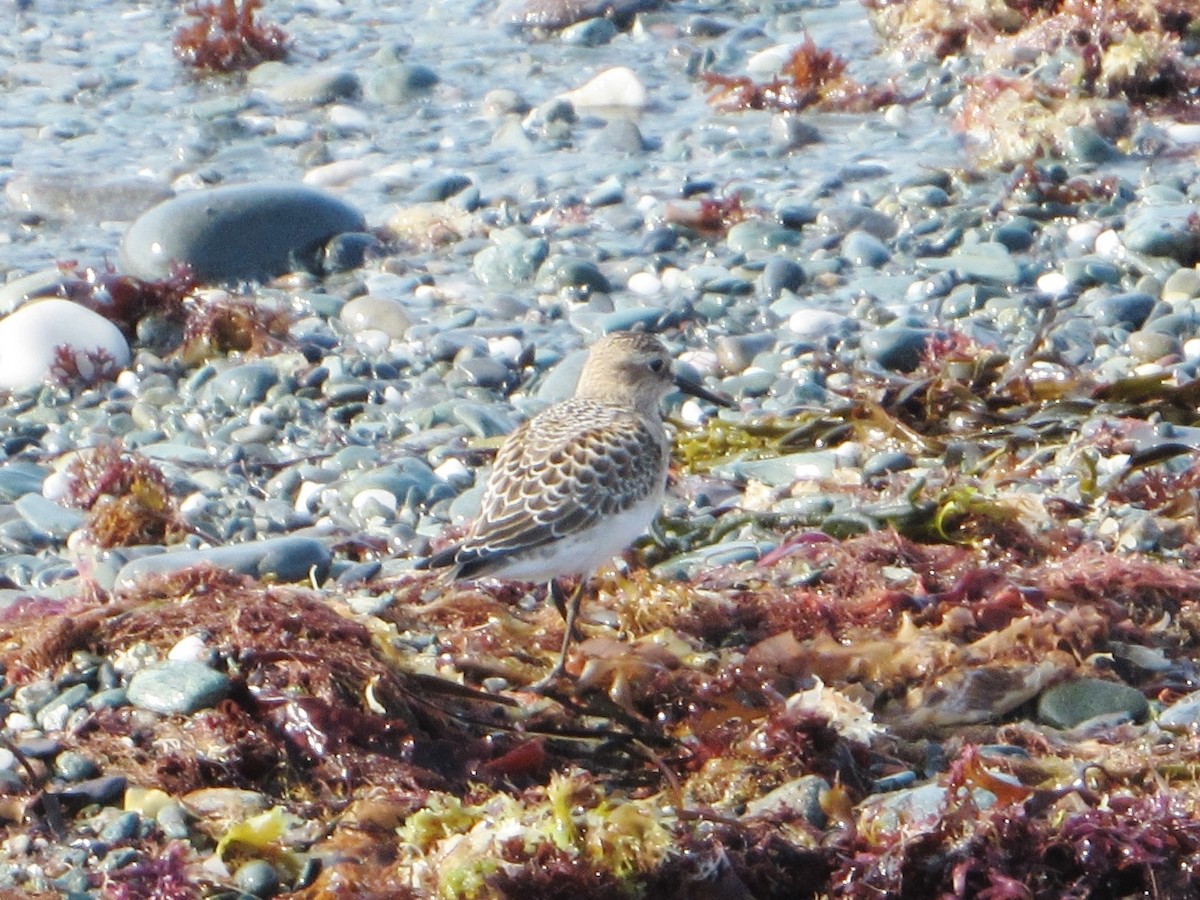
{"points": [[226, 37]]}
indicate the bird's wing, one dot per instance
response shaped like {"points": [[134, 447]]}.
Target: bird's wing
{"points": [[558, 474]]}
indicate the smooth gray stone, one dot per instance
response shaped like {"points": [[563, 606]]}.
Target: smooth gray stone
{"points": [[123, 828], [1183, 715], [776, 471], [70, 765], [1129, 310], [278, 559], [483, 371], [589, 33], [53, 716], [1084, 144], [847, 217], [781, 274], [988, 262], [510, 264], [1073, 702], [760, 234], [441, 188], [105, 790], [618, 137], [1164, 231], [408, 476], [18, 479], [289, 86], [579, 274], [1017, 237], [177, 687], [44, 283], [48, 516], [242, 385], [400, 83], [864, 249], [257, 878], [237, 233]]}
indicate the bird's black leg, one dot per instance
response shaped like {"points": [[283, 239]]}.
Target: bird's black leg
{"points": [[561, 598], [558, 596], [571, 614]]}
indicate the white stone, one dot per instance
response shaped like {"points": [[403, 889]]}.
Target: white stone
{"points": [[369, 312], [1084, 234], [618, 86], [1053, 283], [1183, 132], [770, 61], [645, 284], [30, 337], [506, 349], [1108, 245], [372, 500], [192, 648], [333, 174], [454, 471], [815, 322]]}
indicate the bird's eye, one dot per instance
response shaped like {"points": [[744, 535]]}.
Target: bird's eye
{"points": [[658, 365]]}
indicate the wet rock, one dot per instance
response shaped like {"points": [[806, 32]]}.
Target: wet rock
{"points": [[257, 878], [83, 197], [1183, 715], [781, 274], [400, 83], [1181, 285], [1071, 703], [845, 218], [618, 136], [988, 262], [864, 249], [286, 84], [511, 263], [278, 559], [242, 385], [47, 516], [589, 33], [556, 14], [177, 687], [235, 233], [1128, 310], [1164, 231], [372, 313], [1149, 346]]}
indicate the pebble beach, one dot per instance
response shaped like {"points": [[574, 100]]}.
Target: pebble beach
{"points": [[920, 616]]}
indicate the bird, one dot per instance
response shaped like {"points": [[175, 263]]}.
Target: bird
{"points": [[578, 483]]}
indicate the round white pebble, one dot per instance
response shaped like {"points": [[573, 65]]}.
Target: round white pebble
{"points": [[1054, 283], [618, 86], [37, 339], [1108, 245], [645, 284]]}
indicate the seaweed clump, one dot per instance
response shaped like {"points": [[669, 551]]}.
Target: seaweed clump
{"points": [[226, 37], [812, 77], [225, 324], [1047, 66], [126, 498], [123, 299]]}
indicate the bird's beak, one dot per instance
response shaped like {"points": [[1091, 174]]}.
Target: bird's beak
{"points": [[698, 390]]}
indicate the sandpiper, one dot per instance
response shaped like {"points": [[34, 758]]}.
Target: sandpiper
{"points": [[575, 485]]}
